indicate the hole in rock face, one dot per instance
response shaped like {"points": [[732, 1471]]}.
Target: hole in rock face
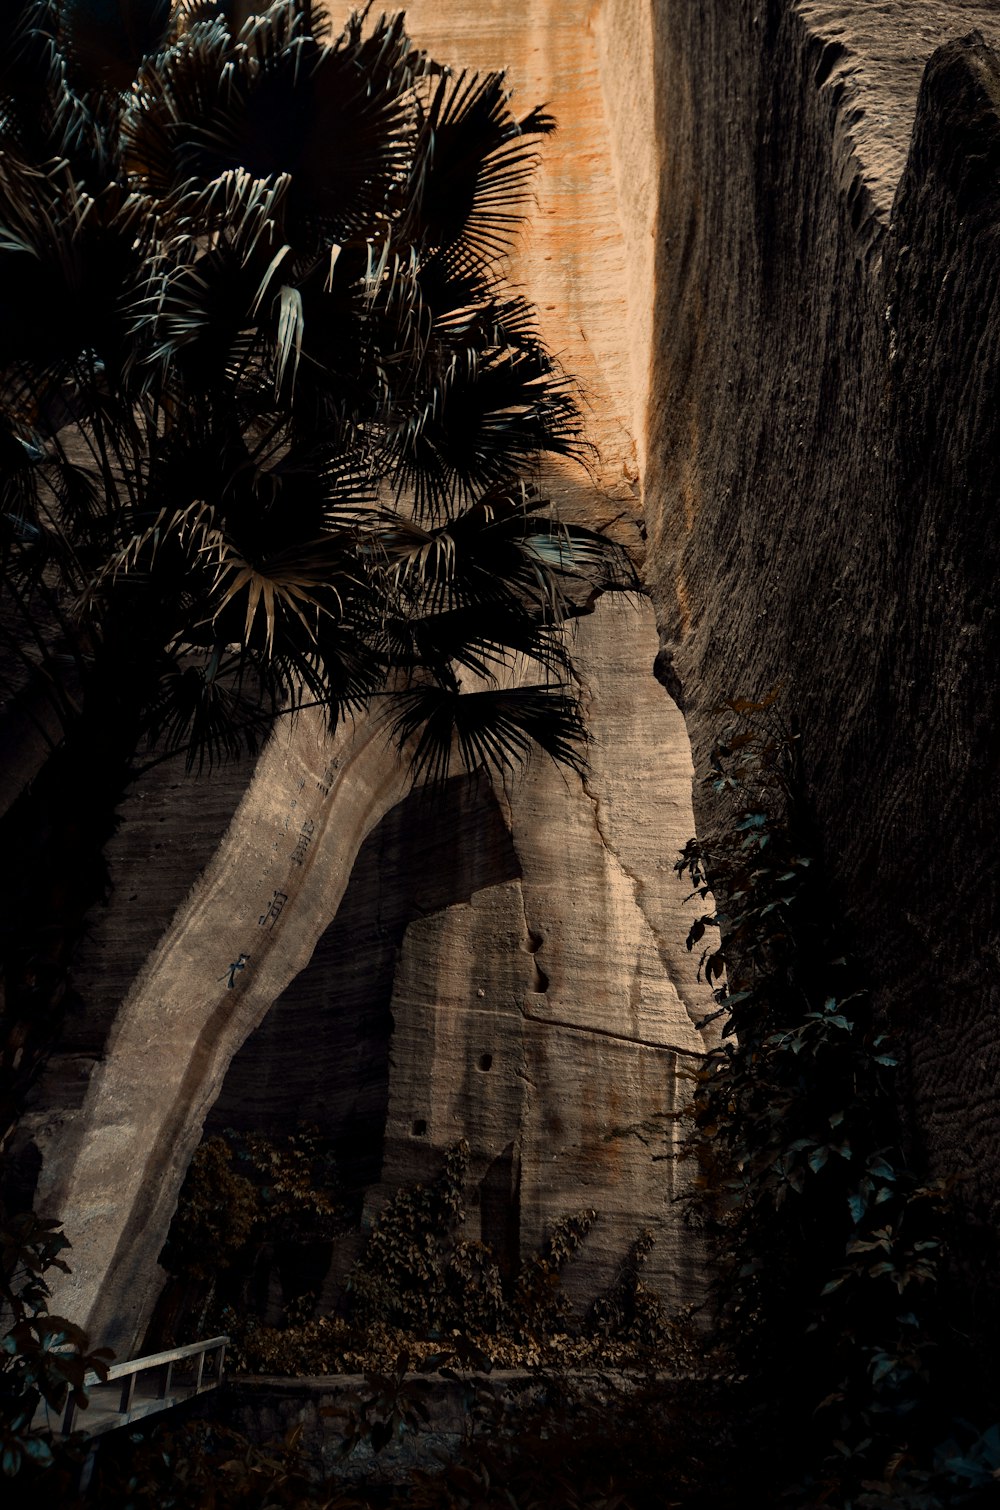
{"points": [[420, 1128], [535, 941], [486, 1061]]}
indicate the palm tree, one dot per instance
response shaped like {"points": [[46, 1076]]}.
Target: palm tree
{"points": [[269, 418]]}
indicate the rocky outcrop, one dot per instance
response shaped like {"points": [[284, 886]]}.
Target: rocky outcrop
{"points": [[539, 1015], [553, 1013]]}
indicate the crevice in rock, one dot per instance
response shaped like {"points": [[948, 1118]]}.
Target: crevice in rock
{"points": [[535, 941], [636, 881], [593, 1032]]}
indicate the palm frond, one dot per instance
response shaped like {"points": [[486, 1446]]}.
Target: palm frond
{"points": [[482, 420], [580, 555], [338, 118], [36, 104], [208, 709], [495, 728], [291, 323], [474, 169], [269, 402], [484, 640], [202, 318], [176, 125], [106, 40], [70, 266], [505, 548]]}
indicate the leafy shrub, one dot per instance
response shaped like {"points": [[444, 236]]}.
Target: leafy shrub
{"points": [[539, 1303], [629, 1311], [44, 1359], [417, 1279], [416, 1273], [250, 1205], [402, 1276], [831, 1251]]}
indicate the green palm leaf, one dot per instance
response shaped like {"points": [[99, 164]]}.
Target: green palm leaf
{"points": [[481, 420], [483, 640], [265, 385], [272, 100], [474, 169], [494, 728]]}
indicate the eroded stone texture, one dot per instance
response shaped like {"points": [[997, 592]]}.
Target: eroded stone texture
{"points": [[715, 247], [821, 485], [580, 960], [321, 1055], [545, 1018], [248, 927]]}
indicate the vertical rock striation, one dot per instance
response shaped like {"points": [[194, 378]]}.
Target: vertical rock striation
{"points": [[821, 486]]}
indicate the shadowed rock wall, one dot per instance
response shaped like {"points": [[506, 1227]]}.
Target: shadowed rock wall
{"points": [[321, 1055], [821, 487]]}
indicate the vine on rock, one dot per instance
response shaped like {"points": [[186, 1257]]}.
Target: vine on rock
{"points": [[832, 1251]]}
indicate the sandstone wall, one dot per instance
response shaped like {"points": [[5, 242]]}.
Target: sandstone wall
{"points": [[535, 996], [821, 486], [770, 253]]}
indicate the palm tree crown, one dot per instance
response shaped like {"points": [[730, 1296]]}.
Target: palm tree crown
{"points": [[270, 408]]}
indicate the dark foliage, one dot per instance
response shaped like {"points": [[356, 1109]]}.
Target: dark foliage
{"points": [[832, 1254], [44, 1361]]}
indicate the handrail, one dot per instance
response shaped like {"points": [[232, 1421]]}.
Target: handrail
{"points": [[128, 1408], [156, 1360]]}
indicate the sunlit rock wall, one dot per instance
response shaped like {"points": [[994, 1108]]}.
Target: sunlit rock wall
{"points": [[537, 997]]}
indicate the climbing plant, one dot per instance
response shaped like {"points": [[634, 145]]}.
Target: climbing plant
{"points": [[831, 1250], [254, 1213], [417, 1284]]}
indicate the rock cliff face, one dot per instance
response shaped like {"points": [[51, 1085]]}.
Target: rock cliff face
{"points": [[509, 968], [767, 241], [821, 480]]}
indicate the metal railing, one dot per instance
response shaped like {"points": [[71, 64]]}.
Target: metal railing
{"points": [[125, 1395]]}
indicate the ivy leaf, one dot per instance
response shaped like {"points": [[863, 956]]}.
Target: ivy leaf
{"points": [[39, 1450], [10, 1461], [751, 821]]}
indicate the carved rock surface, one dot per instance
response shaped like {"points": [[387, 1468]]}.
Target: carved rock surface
{"points": [[546, 1016]]}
